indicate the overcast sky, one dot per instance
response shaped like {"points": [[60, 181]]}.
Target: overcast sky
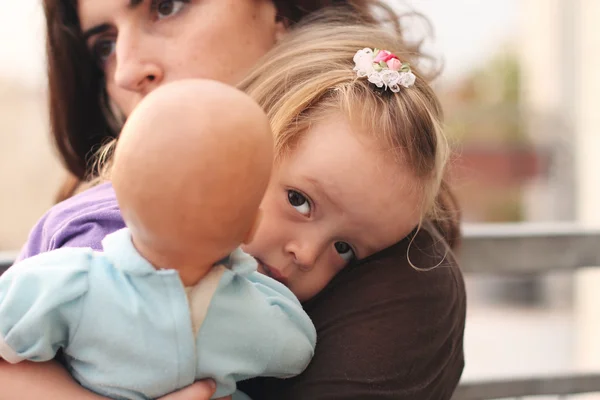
{"points": [[467, 32]]}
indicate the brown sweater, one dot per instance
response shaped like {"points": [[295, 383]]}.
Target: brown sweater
{"points": [[384, 330]]}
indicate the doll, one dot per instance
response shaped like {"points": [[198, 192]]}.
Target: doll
{"points": [[171, 299]]}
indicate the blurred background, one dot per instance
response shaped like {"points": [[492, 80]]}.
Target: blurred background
{"points": [[520, 89]]}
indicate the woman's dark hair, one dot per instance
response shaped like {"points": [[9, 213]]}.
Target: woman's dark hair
{"points": [[80, 116]]}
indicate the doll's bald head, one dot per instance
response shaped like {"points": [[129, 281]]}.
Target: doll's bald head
{"points": [[190, 169]]}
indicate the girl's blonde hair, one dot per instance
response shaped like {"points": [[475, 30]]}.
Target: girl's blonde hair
{"points": [[310, 76]]}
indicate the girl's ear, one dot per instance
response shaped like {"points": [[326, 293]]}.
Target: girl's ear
{"points": [[254, 228]]}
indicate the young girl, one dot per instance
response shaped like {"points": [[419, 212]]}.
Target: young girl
{"points": [[360, 153], [360, 166]]}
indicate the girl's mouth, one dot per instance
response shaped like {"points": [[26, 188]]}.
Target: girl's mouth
{"points": [[273, 273]]}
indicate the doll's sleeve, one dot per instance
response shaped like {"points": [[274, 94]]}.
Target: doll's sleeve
{"points": [[41, 304], [254, 326], [293, 333]]}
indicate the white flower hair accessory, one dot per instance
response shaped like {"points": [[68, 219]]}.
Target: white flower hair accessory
{"points": [[383, 69]]}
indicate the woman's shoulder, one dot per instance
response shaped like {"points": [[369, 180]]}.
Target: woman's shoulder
{"points": [[80, 221]]}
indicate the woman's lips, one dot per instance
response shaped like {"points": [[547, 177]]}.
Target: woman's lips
{"points": [[273, 273]]}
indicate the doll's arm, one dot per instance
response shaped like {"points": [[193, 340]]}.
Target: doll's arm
{"points": [[41, 304]]}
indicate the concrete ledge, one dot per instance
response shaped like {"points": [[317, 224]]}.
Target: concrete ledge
{"points": [[518, 388]]}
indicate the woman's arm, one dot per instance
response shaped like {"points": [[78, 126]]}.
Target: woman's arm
{"points": [[29, 380], [50, 381], [385, 331]]}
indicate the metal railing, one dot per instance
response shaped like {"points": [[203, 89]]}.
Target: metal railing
{"points": [[517, 249], [525, 250]]}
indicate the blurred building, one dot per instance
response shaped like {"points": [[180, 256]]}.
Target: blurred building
{"points": [[548, 57]]}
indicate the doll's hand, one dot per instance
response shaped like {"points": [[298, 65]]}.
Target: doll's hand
{"points": [[201, 390]]}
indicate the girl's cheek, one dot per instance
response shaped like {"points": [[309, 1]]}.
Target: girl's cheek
{"points": [[335, 262]]}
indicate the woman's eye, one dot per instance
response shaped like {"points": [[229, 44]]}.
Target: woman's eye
{"points": [[299, 202], [167, 8], [103, 49], [345, 251]]}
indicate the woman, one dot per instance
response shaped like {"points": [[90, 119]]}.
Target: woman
{"points": [[385, 330]]}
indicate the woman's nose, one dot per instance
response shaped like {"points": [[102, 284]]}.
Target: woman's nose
{"points": [[137, 66]]}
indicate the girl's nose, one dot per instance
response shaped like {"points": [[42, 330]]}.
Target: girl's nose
{"points": [[304, 254]]}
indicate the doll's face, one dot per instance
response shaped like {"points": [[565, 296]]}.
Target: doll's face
{"points": [[336, 199], [189, 175]]}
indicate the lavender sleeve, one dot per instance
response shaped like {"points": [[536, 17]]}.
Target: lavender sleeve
{"points": [[81, 221]]}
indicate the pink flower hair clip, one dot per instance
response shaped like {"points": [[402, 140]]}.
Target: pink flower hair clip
{"points": [[383, 69]]}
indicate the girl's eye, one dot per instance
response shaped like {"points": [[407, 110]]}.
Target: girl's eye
{"points": [[299, 202], [345, 251], [103, 49], [167, 8]]}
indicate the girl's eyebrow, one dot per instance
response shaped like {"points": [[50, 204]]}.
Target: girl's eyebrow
{"points": [[322, 192]]}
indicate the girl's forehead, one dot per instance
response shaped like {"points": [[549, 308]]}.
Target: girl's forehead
{"points": [[335, 140]]}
